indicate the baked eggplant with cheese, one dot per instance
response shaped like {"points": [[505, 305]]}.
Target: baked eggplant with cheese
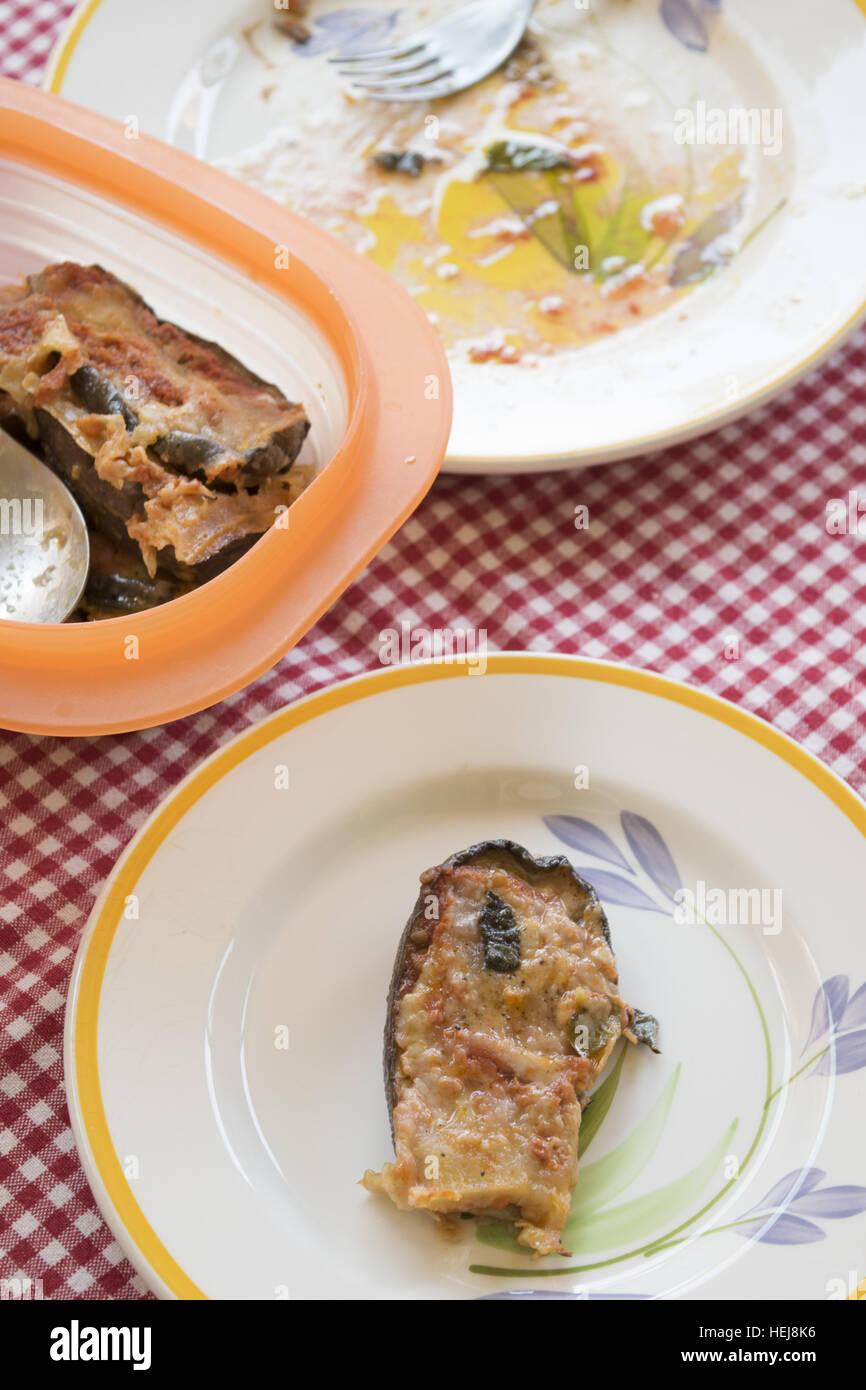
{"points": [[503, 1009], [172, 448]]}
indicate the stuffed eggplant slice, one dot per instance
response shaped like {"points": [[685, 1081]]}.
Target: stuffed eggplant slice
{"points": [[503, 1009], [178, 455]]}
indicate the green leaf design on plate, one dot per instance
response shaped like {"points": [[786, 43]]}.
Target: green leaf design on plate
{"points": [[697, 259], [593, 1226], [603, 1180], [639, 1218], [526, 194], [608, 1176], [599, 1105], [625, 234], [602, 214]]}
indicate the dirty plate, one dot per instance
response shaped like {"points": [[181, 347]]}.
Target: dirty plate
{"points": [[682, 240], [224, 1027]]}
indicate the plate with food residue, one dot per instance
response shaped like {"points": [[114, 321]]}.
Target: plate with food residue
{"points": [[622, 1013], [649, 219]]}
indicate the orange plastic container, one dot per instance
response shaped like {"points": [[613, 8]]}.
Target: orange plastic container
{"points": [[379, 369]]}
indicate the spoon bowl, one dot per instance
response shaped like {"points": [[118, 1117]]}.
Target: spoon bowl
{"points": [[44, 546]]}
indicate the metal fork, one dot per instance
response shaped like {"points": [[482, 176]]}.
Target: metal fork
{"points": [[444, 58]]}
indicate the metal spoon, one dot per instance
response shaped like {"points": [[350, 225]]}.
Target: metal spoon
{"points": [[44, 547]]}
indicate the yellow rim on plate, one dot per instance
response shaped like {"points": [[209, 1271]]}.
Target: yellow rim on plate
{"points": [[53, 82], [81, 17], [96, 945]]}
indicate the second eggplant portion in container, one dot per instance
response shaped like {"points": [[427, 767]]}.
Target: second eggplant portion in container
{"points": [[179, 456]]}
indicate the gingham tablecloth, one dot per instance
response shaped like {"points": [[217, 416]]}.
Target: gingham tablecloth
{"points": [[711, 541]]}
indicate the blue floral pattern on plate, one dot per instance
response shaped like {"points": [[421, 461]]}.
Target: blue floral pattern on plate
{"points": [[842, 1016], [788, 1214], [781, 1216], [687, 21], [349, 32]]}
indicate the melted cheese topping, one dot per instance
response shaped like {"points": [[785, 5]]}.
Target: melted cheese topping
{"points": [[172, 381], [488, 1084], [70, 316]]}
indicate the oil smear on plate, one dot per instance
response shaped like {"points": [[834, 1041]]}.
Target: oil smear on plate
{"points": [[543, 209]]}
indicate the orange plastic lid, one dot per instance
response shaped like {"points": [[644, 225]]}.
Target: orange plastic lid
{"points": [[90, 678]]}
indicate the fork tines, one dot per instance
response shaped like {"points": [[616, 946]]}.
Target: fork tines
{"points": [[404, 69]]}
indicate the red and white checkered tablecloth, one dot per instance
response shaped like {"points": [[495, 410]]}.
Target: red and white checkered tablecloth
{"points": [[713, 539]]}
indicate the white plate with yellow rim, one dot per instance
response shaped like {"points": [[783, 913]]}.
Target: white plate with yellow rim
{"points": [[225, 1017], [694, 248]]}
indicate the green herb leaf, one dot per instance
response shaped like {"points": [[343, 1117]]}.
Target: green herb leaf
{"points": [[409, 162], [586, 1034], [510, 155], [646, 1029], [500, 934]]}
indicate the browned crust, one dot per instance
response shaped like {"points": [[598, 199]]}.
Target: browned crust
{"points": [[550, 872], [168, 484]]}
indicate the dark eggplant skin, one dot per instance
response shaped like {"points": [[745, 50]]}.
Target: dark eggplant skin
{"points": [[187, 452], [550, 871], [190, 453], [97, 394], [263, 432], [12, 424], [118, 581], [108, 508], [99, 389], [121, 593]]}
